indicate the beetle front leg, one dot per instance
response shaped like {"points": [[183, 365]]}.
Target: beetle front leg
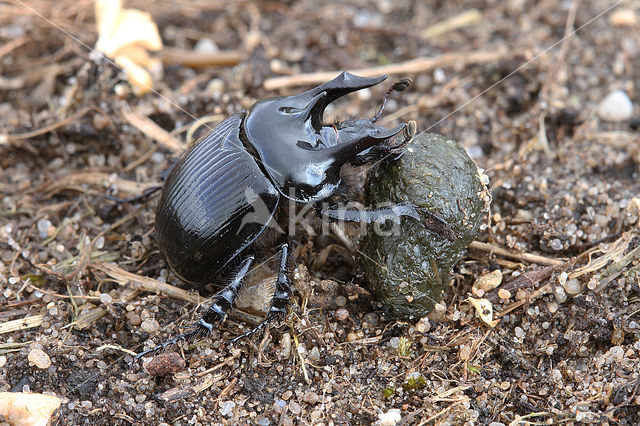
{"points": [[222, 303], [280, 299], [394, 212]]}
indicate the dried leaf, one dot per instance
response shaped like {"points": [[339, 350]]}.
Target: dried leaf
{"points": [[27, 409], [484, 308], [126, 35], [488, 281]]}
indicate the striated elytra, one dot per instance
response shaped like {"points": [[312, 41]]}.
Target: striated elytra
{"points": [[221, 202]]}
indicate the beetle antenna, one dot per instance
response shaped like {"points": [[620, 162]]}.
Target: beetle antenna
{"points": [[398, 86]]}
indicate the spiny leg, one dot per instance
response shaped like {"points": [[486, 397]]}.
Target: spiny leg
{"points": [[222, 303], [280, 299], [394, 212]]}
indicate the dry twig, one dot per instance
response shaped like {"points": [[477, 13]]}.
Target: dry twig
{"points": [[195, 59], [413, 66], [152, 130], [145, 283], [526, 257]]}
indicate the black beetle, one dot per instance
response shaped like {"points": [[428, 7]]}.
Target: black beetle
{"points": [[228, 187]]}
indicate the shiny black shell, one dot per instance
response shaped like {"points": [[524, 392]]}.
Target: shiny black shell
{"points": [[202, 221], [225, 190]]}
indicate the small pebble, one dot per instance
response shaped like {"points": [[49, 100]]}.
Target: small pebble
{"points": [[39, 358], [615, 107], [423, 326], [352, 337], [616, 353], [100, 121], [285, 345], [371, 318], [3, 360], [623, 18], [43, 226], [341, 301], [295, 408], [583, 351], [279, 406], [390, 418], [572, 287], [133, 319], [106, 298], [504, 294], [287, 395], [165, 364], [341, 314], [263, 421], [314, 354], [310, 397], [150, 325], [226, 409], [519, 332], [206, 45]]}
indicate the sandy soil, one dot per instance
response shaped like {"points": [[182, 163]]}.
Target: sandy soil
{"points": [[563, 231]]}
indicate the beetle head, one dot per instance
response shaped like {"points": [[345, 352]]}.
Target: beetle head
{"points": [[298, 150]]}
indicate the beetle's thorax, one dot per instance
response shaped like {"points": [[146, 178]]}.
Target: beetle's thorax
{"points": [[300, 154]]}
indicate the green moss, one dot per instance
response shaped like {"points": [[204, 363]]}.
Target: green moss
{"points": [[388, 392], [414, 381], [404, 346], [35, 279], [409, 270]]}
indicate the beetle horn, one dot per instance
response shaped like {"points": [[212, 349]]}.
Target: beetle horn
{"points": [[343, 152], [344, 84], [314, 109]]}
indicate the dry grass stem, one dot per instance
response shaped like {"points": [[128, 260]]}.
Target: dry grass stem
{"points": [[148, 128], [526, 257], [418, 65], [145, 283], [21, 324]]}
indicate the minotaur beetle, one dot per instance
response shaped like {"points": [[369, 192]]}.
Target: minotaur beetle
{"points": [[221, 196]]}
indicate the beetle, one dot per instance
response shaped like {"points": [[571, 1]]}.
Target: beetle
{"points": [[229, 187]]}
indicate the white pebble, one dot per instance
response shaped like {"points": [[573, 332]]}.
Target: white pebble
{"points": [[206, 45], [226, 409], [99, 243], [39, 358], [616, 107], [573, 287], [43, 226], [150, 325], [616, 353], [423, 325], [439, 76], [390, 418]]}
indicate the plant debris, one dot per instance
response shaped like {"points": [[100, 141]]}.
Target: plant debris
{"points": [[82, 282]]}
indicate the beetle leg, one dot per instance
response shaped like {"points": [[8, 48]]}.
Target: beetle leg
{"points": [[224, 299], [280, 299], [142, 197], [394, 212], [222, 304]]}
